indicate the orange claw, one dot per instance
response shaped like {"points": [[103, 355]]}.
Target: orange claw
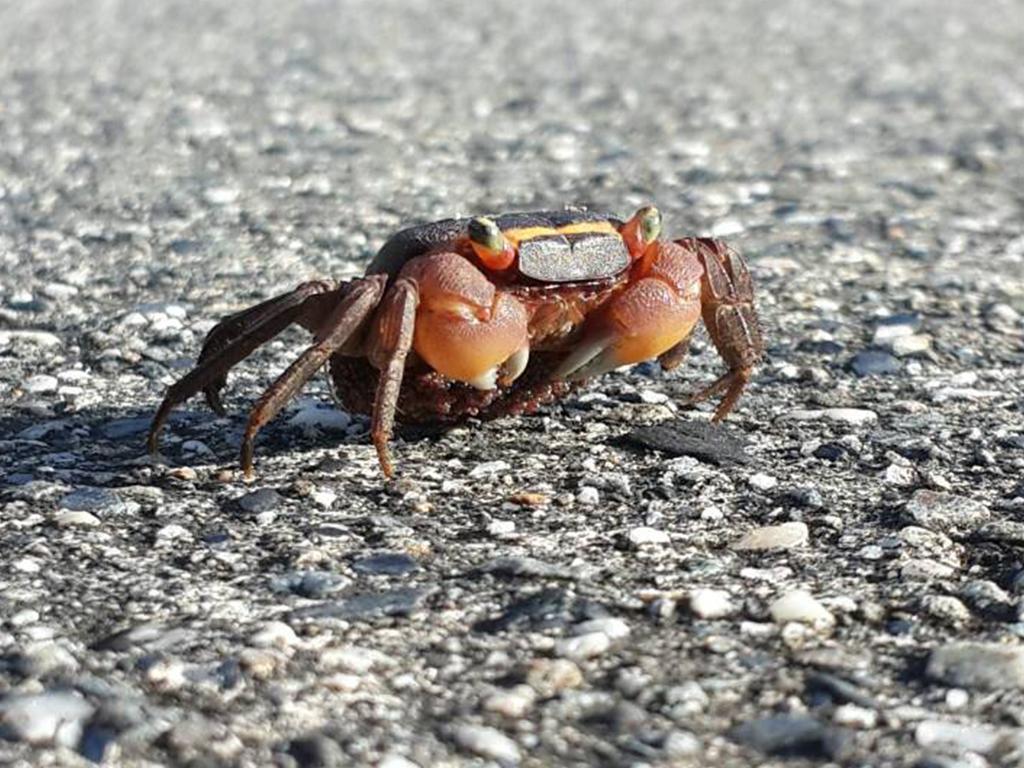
{"points": [[465, 329], [650, 317]]}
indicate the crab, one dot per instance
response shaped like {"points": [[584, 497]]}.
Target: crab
{"points": [[492, 316]]}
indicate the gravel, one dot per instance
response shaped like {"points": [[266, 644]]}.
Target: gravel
{"points": [[834, 574]]}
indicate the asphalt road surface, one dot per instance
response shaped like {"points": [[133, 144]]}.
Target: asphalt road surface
{"points": [[533, 591]]}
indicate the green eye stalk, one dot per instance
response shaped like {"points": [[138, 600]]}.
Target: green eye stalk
{"points": [[643, 228], [650, 223]]}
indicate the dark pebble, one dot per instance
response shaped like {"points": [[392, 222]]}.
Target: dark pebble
{"points": [[262, 500], [95, 741], [1012, 441], [873, 362], [899, 627], [228, 674], [182, 246], [374, 605], [826, 348], [121, 428], [149, 636], [909, 319], [317, 751], [714, 444], [838, 689], [792, 736], [806, 497], [829, 452], [549, 608], [311, 584], [386, 564], [100, 501], [518, 567]]}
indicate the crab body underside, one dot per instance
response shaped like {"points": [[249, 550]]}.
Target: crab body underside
{"points": [[489, 317]]}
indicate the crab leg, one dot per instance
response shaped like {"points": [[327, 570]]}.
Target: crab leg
{"points": [[672, 358], [253, 330], [389, 346], [727, 306], [346, 319], [245, 322]]}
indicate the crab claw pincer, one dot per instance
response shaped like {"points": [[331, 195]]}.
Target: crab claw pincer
{"points": [[465, 329]]}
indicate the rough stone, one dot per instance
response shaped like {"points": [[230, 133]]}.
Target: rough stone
{"points": [[977, 666], [941, 511], [783, 536], [489, 743], [801, 606]]}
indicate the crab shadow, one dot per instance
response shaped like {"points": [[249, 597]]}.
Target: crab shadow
{"points": [[107, 445]]}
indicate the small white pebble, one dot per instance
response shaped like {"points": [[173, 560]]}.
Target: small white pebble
{"points": [[957, 698], [616, 629], [513, 703], [711, 604], [501, 527], [711, 514], [166, 674], [220, 195], [853, 416], [783, 536], [761, 481], [588, 496], [323, 498], [487, 742], [41, 384], [274, 634], [681, 745], [652, 397], [855, 717], [489, 468], [900, 476], [583, 647], [396, 761], [643, 536], [173, 532], [801, 606], [72, 518], [871, 552], [23, 617], [342, 683], [352, 658]]}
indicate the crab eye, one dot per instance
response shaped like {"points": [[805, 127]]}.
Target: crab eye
{"points": [[489, 243], [650, 223], [642, 229], [485, 233]]}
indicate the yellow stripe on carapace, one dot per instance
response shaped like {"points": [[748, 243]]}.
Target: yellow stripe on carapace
{"points": [[528, 233], [581, 227]]}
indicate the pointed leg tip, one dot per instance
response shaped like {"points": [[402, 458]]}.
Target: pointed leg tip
{"points": [[245, 459], [387, 467], [213, 400]]}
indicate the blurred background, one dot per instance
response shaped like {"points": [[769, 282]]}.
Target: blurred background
{"points": [[165, 163]]}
